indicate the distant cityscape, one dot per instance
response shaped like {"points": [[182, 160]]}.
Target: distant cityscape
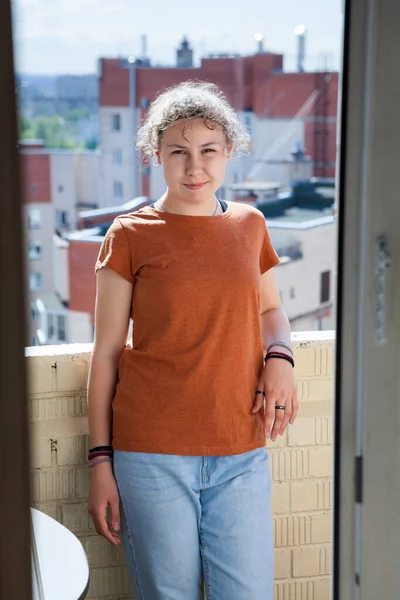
{"points": [[81, 170]]}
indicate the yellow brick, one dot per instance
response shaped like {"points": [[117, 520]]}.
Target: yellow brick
{"points": [[48, 509], [292, 530], [280, 498], [105, 582], [322, 589], [71, 373], [71, 450], [321, 462], [101, 553], [314, 389], [76, 518], [289, 464], [311, 561], [301, 590], [305, 362], [302, 432], [57, 407], [310, 495], [315, 409], [41, 454], [40, 374], [306, 562], [53, 484], [321, 528], [283, 564], [324, 430], [83, 481]]}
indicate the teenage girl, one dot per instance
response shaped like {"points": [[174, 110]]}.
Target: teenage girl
{"points": [[179, 418]]}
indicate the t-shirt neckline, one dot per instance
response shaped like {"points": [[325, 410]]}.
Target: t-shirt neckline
{"points": [[191, 218]]}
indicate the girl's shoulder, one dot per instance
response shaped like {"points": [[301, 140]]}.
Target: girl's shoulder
{"points": [[241, 209]]}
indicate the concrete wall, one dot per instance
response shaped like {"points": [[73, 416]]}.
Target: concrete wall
{"points": [[301, 467]]}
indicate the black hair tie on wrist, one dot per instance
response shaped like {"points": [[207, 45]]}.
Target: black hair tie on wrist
{"points": [[279, 355]]}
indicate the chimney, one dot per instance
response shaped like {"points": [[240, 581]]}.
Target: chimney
{"points": [[184, 55], [300, 32]]}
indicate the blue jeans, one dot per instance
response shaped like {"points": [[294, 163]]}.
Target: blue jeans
{"points": [[189, 521]]}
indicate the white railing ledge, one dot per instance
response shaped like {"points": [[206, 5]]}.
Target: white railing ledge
{"points": [[58, 350], [300, 339]]}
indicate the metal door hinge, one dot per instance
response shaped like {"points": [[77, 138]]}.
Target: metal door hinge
{"points": [[358, 479]]}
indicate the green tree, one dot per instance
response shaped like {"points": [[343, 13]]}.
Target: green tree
{"points": [[53, 132], [91, 143]]}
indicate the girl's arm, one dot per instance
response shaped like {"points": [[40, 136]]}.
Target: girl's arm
{"points": [[113, 308], [274, 322], [277, 380]]}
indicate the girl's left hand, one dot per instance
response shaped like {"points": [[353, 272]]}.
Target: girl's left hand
{"points": [[278, 386]]}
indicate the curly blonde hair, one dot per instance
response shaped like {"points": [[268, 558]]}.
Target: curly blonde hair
{"points": [[191, 100]]}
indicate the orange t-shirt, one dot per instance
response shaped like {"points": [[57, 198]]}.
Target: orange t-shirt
{"points": [[186, 385]]}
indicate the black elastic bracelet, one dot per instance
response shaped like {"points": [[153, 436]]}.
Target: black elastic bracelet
{"points": [[280, 355], [97, 448]]}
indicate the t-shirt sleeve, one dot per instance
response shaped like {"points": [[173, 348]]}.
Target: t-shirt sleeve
{"points": [[268, 256], [115, 252]]}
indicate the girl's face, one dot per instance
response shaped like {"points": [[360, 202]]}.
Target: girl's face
{"points": [[194, 159]]}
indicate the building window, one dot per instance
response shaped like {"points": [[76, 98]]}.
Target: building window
{"points": [[61, 189], [62, 219], [292, 293], [116, 122], [61, 328], [33, 189], [34, 218], [34, 250], [117, 156], [117, 189], [56, 328], [50, 326], [325, 286], [35, 282]]}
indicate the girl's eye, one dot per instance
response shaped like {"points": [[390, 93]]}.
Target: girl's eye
{"points": [[178, 152], [209, 150]]}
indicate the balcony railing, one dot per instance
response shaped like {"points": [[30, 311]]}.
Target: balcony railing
{"points": [[301, 465]]}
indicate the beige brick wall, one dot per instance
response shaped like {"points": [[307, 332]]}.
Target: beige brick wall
{"points": [[301, 466]]}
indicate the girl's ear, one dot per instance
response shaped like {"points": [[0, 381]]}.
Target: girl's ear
{"points": [[158, 157], [228, 151]]}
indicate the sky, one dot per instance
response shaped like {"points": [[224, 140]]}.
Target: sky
{"points": [[68, 36]]}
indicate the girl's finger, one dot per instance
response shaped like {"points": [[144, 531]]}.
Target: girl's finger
{"points": [[258, 401], [287, 416], [279, 416], [269, 413]]}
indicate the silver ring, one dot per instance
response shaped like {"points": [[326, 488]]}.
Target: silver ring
{"points": [[279, 407]]}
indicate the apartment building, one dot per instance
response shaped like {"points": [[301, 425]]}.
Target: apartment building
{"points": [[281, 110], [57, 184]]}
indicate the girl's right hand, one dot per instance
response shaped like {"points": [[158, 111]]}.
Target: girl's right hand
{"points": [[103, 493]]}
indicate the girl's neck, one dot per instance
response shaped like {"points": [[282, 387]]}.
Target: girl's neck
{"points": [[175, 205]]}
